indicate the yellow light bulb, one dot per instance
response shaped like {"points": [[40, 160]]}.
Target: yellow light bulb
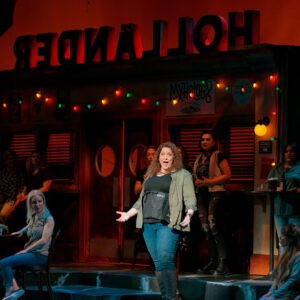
{"points": [[38, 95], [260, 129]]}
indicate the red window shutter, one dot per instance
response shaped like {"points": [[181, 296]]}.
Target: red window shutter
{"points": [[60, 149], [23, 144]]}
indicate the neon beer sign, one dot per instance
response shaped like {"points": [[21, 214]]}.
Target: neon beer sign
{"points": [[92, 46]]}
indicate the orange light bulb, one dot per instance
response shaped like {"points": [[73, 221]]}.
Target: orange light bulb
{"points": [[192, 95], [104, 101], [175, 101], [118, 92]]}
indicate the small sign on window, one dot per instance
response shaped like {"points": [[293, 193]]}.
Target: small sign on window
{"points": [[265, 147]]}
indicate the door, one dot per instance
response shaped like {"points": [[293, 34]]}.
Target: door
{"points": [[116, 151]]}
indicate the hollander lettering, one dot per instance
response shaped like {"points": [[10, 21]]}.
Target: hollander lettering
{"points": [[91, 46]]}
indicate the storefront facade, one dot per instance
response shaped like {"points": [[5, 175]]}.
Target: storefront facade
{"points": [[93, 121]]}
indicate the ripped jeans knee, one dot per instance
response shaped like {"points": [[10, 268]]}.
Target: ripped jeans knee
{"points": [[212, 224], [205, 228], [204, 223]]}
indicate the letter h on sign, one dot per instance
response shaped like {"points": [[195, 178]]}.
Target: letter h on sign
{"points": [[243, 33]]}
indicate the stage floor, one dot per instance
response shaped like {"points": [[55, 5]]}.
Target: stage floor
{"points": [[121, 281]]}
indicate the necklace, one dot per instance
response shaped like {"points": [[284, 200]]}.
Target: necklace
{"points": [[163, 173]]}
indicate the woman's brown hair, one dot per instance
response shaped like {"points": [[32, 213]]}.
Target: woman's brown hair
{"points": [[291, 236], [155, 166]]}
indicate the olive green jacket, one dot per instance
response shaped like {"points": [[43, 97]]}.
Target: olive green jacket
{"points": [[181, 197]]}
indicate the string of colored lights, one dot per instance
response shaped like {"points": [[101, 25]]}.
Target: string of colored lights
{"points": [[41, 97]]}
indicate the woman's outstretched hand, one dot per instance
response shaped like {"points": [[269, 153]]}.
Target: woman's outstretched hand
{"points": [[18, 234], [124, 216]]}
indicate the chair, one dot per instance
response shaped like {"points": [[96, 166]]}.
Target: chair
{"points": [[41, 271]]}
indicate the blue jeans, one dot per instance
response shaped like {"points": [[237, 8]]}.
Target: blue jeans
{"points": [[25, 259], [162, 242]]}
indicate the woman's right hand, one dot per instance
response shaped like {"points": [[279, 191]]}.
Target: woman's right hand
{"points": [[18, 234], [198, 182], [124, 216]]}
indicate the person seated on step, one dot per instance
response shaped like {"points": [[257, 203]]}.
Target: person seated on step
{"points": [[286, 275], [39, 229]]}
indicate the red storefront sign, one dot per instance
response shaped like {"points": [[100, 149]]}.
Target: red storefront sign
{"points": [[95, 46]]}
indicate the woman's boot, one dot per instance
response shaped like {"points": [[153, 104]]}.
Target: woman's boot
{"points": [[222, 268], [213, 255], [210, 267], [162, 287], [171, 279]]}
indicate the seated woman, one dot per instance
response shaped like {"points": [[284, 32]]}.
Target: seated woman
{"points": [[39, 229], [286, 283]]}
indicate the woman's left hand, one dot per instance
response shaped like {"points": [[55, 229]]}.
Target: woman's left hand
{"points": [[204, 182], [21, 252], [186, 221]]}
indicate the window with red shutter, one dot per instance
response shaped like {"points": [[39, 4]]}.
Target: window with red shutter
{"points": [[61, 154], [23, 144]]}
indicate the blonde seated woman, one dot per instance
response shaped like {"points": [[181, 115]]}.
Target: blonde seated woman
{"points": [[39, 229]]}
